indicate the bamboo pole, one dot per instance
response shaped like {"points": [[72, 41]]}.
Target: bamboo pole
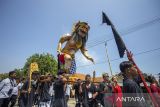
{"points": [[108, 59]]}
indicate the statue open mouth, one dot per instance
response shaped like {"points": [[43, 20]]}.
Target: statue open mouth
{"points": [[83, 32]]}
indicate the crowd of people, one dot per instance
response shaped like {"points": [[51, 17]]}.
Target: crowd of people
{"points": [[49, 91]]}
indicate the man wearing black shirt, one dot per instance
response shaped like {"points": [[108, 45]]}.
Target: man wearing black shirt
{"points": [[105, 91], [89, 92], [130, 87], [78, 96], [27, 94], [45, 98], [59, 89]]}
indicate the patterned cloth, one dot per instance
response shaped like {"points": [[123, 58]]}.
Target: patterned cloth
{"points": [[73, 67]]}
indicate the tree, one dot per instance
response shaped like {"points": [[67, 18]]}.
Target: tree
{"points": [[46, 63], [19, 73], [3, 76]]}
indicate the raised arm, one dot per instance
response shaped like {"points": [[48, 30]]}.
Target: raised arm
{"points": [[48, 79], [63, 39]]}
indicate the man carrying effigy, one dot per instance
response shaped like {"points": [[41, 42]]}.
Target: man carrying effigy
{"points": [[77, 40]]}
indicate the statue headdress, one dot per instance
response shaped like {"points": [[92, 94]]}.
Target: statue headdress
{"points": [[80, 24], [75, 29]]}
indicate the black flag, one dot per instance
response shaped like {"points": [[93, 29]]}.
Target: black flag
{"points": [[105, 19], [120, 44]]}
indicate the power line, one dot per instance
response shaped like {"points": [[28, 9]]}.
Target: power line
{"points": [[140, 53], [136, 27], [129, 30], [146, 24], [152, 50]]}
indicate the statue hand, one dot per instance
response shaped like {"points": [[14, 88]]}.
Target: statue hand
{"points": [[91, 59]]}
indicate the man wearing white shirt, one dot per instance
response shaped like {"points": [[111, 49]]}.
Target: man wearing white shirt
{"points": [[6, 88], [21, 83], [68, 91]]}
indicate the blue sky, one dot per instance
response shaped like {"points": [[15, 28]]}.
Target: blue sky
{"points": [[35, 26]]}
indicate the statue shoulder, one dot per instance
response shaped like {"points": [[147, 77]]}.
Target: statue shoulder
{"points": [[65, 38]]}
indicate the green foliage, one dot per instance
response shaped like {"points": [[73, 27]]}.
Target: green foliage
{"points": [[19, 73], [3, 76], [46, 63]]}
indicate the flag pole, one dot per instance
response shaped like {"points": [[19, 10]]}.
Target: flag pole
{"points": [[108, 58]]}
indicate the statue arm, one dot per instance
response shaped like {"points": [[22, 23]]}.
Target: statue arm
{"points": [[61, 41], [85, 53]]}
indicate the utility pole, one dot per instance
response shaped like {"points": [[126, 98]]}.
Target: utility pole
{"points": [[108, 58], [94, 75]]}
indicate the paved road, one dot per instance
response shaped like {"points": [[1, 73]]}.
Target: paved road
{"points": [[71, 102]]}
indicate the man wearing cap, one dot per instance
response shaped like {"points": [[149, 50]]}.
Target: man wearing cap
{"points": [[105, 91]]}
